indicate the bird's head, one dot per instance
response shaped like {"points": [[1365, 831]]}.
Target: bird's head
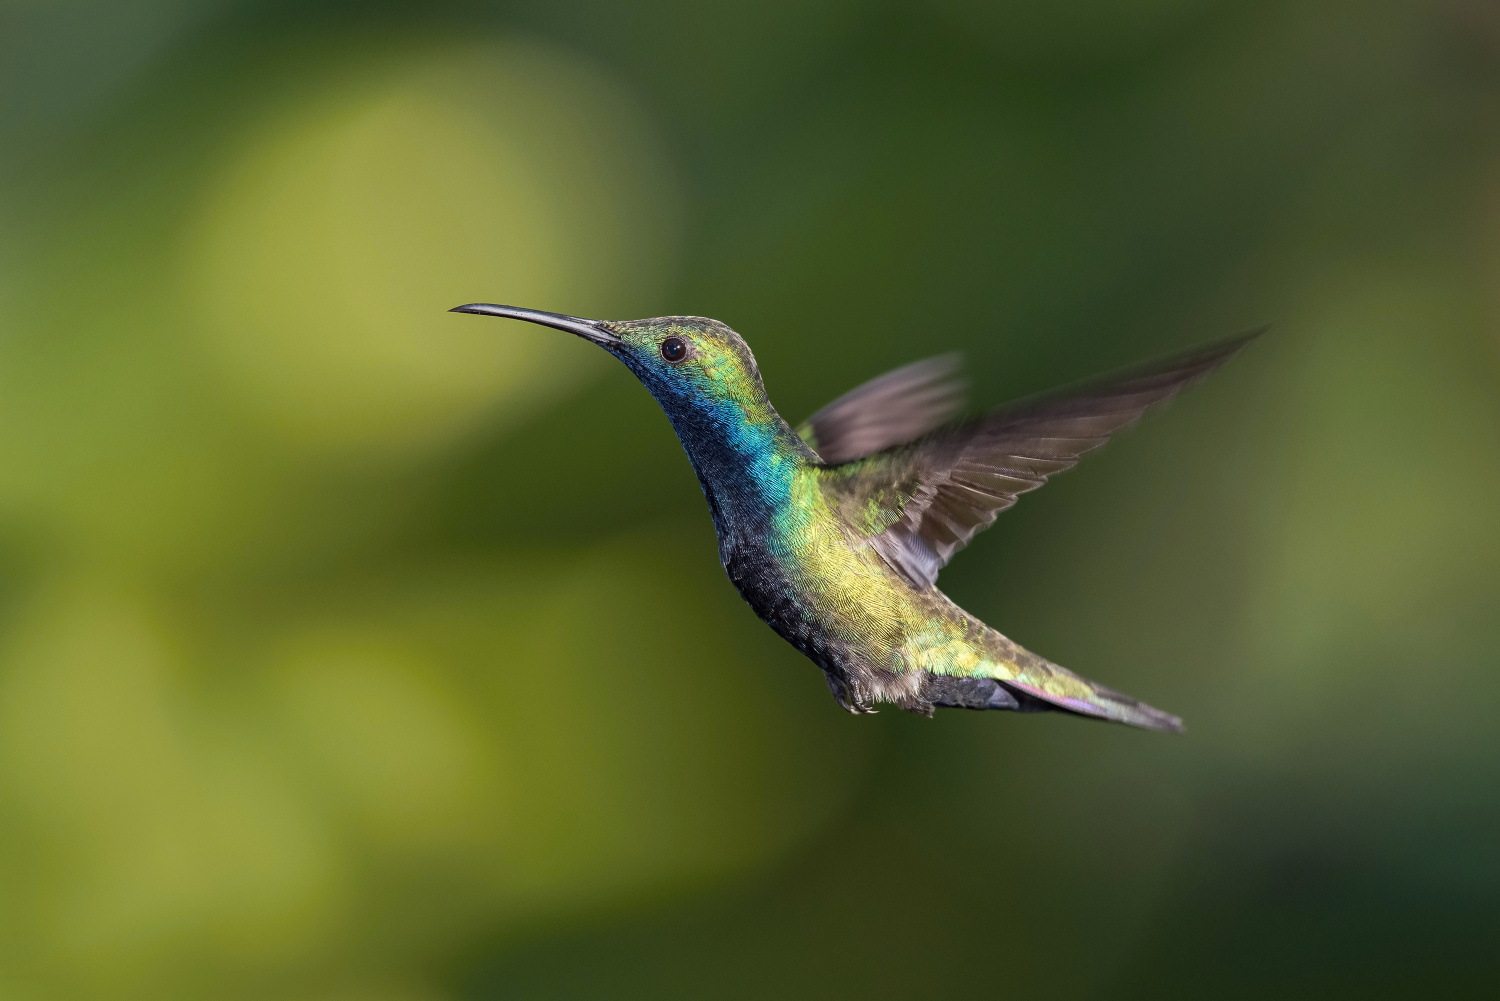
{"points": [[689, 363]]}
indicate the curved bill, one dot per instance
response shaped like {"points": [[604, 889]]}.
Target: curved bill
{"points": [[589, 330]]}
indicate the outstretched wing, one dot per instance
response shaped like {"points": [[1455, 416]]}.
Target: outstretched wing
{"points": [[890, 410], [921, 502]]}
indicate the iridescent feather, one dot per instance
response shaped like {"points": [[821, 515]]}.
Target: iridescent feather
{"points": [[834, 533]]}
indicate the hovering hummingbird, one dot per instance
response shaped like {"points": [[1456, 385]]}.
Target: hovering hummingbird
{"points": [[835, 532]]}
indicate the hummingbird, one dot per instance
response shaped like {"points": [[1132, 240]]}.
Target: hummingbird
{"points": [[834, 532]]}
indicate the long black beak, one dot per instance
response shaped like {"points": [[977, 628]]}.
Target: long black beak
{"points": [[589, 330]]}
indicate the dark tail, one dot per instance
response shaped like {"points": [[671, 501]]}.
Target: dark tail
{"points": [[1017, 696]]}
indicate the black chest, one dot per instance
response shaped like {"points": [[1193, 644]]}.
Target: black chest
{"points": [[743, 526], [766, 589]]}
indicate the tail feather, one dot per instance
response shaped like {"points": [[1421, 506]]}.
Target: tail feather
{"points": [[1102, 703], [1024, 682]]}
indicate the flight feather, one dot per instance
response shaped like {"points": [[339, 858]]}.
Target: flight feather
{"points": [[919, 502], [891, 409]]}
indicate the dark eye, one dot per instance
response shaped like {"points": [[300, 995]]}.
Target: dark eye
{"points": [[674, 349]]}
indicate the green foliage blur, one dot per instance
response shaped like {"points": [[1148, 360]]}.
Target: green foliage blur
{"points": [[352, 650]]}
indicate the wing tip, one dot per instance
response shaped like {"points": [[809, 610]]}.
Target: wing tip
{"points": [[1227, 347]]}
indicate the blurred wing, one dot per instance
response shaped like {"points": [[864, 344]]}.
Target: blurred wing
{"points": [[920, 503], [893, 409]]}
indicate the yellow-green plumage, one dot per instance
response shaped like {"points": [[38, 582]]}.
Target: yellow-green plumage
{"points": [[834, 533]]}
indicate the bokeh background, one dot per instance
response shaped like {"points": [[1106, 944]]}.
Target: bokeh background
{"points": [[351, 650]]}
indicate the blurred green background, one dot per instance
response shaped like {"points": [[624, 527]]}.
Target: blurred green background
{"points": [[351, 650]]}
